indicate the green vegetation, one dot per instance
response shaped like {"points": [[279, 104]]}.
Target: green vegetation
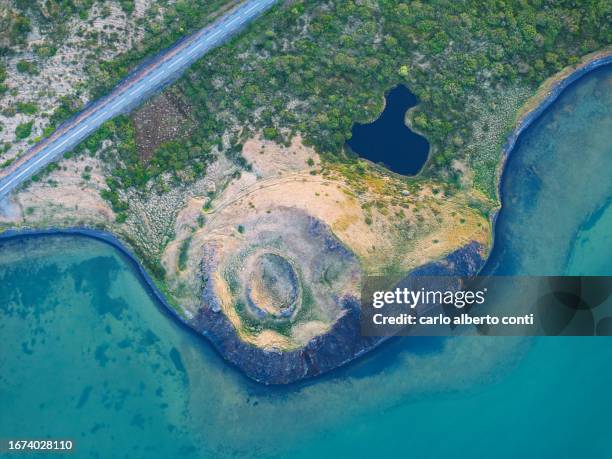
{"points": [[183, 253], [179, 19], [130, 171], [86, 175], [283, 326], [45, 51], [163, 22], [51, 16], [23, 130], [315, 68], [68, 106], [318, 67], [3, 87], [253, 325], [18, 27], [338, 57], [28, 67], [28, 108], [185, 161]]}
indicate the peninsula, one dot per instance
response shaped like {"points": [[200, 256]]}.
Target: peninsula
{"points": [[235, 191]]}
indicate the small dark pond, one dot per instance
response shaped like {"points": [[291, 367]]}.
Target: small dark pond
{"points": [[388, 140]]}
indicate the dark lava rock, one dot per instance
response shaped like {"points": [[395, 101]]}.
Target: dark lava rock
{"points": [[323, 353]]}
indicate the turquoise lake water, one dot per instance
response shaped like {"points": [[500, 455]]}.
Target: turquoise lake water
{"points": [[88, 355]]}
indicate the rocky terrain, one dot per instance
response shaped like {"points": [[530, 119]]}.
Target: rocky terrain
{"points": [[217, 186], [267, 262]]}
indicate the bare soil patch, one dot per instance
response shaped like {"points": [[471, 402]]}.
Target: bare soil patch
{"points": [[163, 119]]}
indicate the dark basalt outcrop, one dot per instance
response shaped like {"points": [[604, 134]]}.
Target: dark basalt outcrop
{"points": [[340, 345], [324, 353]]}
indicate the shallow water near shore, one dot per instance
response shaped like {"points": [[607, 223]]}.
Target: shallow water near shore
{"points": [[87, 354]]}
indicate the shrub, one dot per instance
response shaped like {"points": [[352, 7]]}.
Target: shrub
{"points": [[24, 66], [24, 130]]}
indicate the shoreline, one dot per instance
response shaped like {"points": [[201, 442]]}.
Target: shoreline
{"points": [[321, 354], [535, 107], [107, 238], [110, 239], [545, 96]]}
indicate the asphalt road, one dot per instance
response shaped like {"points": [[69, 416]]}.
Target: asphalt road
{"points": [[166, 67]]}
